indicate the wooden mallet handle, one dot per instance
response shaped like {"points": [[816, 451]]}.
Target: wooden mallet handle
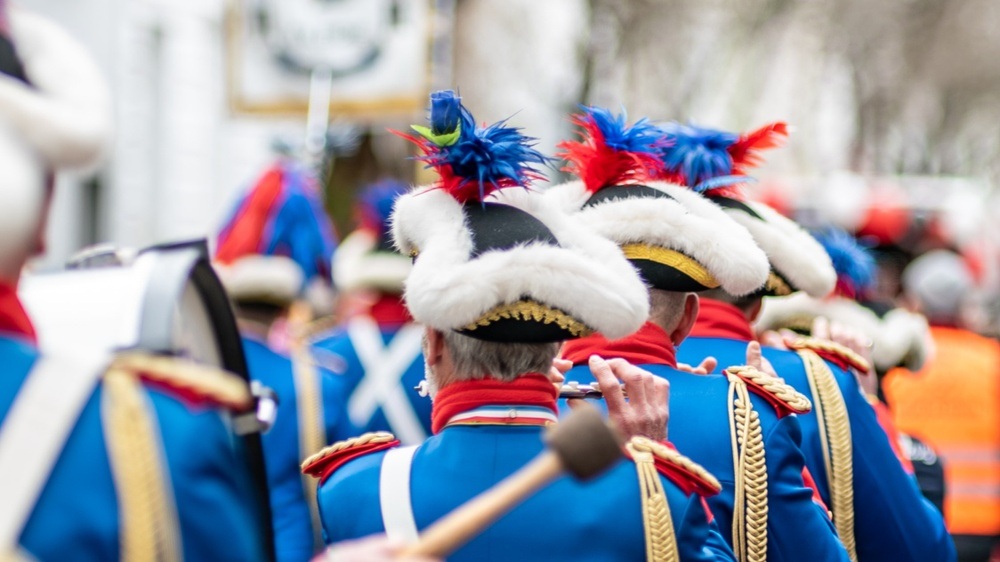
{"points": [[582, 444]]}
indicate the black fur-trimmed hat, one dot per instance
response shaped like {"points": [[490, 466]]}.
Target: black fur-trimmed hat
{"points": [[678, 240]]}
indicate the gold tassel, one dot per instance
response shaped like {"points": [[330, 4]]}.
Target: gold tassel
{"points": [[750, 468], [308, 396], [835, 436], [661, 545], [147, 518]]}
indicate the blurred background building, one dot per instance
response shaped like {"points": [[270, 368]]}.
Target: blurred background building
{"points": [[892, 102]]}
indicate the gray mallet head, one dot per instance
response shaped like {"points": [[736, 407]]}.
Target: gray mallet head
{"points": [[585, 443]]}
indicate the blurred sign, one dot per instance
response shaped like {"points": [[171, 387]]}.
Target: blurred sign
{"points": [[377, 53]]}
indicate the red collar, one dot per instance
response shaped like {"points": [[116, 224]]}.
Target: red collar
{"points": [[13, 318], [649, 346], [717, 319], [390, 311], [532, 389]]}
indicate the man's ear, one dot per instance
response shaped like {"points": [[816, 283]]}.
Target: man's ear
{"points": [[433, 346], [754, 311], [686, 323]]}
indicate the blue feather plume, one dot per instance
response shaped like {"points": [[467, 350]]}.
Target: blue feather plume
{"points": [[698, 155], [475, 161], [855, 266], [642, 136]]}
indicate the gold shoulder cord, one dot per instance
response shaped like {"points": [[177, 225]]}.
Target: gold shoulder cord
{"points": [[308, 396], [835, 435], [661, 545], [750, 469], [148, 517]]}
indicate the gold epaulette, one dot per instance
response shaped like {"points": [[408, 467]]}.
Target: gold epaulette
{"points": [[687, 474], [190, 381], [325, 462], [781, 395], [840, 355]]}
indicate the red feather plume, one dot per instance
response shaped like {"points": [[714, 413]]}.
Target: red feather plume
{"points": [[745, 151], [599, 165]]}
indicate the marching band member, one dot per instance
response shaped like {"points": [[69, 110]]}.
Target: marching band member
{"points": [[101, 458], [376, 353], [739, 426], [274, 247], [877, 509]]}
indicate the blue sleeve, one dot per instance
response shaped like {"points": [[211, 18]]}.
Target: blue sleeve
{"points": [[699, 539], [892, 520], [211, 487], [797, 528]]}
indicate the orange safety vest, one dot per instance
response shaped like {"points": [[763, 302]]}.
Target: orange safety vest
{"points": [[953, 404]]}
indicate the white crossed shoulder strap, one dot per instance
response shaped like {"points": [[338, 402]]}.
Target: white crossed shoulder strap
{"points": [[384, 370], [394, 495], [35, 431]]}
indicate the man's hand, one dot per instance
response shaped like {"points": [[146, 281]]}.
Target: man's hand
{"points": [[646, 412], [855, 341], [705, 367], [756, 359], [375, 548], [557, 372]]}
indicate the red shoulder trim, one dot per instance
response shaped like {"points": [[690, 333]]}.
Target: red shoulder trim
{"points": [[832, 352], [779, 394], [324, 463], [682, 471]]}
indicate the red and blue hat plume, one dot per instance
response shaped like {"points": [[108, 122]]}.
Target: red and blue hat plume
{"points": [[281, 215], [472, 161], [708, 160], [854, 264], [610, 152]]}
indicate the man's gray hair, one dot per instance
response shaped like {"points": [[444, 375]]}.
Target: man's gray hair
{"points": [[475, 359]]}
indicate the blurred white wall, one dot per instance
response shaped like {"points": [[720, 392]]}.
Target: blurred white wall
{"points": [[179, 156]]}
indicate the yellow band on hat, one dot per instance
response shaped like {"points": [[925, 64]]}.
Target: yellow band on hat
{"points": [[528, 310], [671, 258], [776, 286]]}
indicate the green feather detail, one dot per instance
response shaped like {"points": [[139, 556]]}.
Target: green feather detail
{"points": [[446, 139]]}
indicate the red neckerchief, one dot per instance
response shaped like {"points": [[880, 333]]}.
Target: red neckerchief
{"points": [[532, 389], [13, 318], [390, 311], [651, 345], [717, 319]]}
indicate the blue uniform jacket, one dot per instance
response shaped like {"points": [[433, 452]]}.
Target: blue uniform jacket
{"points": [[293, 533], [336, 352], [892, 521], [600, 520], [798, 529], [76, 516]]}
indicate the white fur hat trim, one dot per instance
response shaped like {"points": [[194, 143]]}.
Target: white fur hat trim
{"points": [[273, 279], [357, 266], [899, 338], [793, 253], [688, 223], [63, 120], [587, 277]]}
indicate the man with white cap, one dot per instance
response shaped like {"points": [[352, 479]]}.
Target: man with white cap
{"points": [[101, 458], [879, 513], [739, 426], [376, 350]]}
